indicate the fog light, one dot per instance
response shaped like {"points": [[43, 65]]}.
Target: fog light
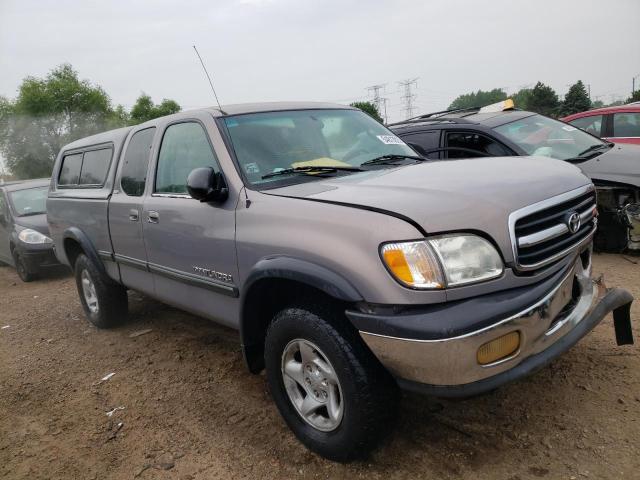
{"points": [[499, 348]]}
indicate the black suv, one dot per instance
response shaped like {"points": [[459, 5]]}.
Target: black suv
{"points": [[501, 130]]}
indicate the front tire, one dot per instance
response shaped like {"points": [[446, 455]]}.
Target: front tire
{"points": [[21, 267], [104, 302], [329, 388]]}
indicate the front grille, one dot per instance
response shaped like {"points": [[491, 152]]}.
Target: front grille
{"points": [[542, 232]]}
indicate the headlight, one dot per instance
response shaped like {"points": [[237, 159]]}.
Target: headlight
{"points": [[445, 261], [31, 236]]}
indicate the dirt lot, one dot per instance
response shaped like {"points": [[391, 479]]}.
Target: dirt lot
{"points": [[191, 411]]}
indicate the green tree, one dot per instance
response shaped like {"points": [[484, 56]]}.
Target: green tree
{"points": [[576, 100], [480, 98], [521, 98], [144, 109], [543, 99], [370, 109], [635, 97], [47, 114]]}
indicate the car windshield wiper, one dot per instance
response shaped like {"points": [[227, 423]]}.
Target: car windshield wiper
{"points": [[595, 147], [390, 159], [311, 170], [29, 214], [588, 153]]}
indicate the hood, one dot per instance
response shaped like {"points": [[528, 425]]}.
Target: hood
{"points": [[620, 164], [35, 222], [451, 195]]}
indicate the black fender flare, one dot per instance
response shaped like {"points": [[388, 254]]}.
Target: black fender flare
{"points": [[291, 268], [312, 274], [74, 233]]}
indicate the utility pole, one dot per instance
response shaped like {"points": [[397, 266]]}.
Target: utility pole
{"points": [[379, 101], [589, 90], [408, 96]]}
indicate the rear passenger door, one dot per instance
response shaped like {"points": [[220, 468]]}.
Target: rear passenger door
{"points": [[191, 244], [125, 212]]}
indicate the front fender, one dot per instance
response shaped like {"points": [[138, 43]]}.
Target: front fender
{"points": [[255, 318]]}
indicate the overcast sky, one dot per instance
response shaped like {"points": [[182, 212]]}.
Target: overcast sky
{"points": [[263, 50]]}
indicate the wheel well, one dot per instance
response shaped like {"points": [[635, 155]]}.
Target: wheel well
{"points": [[72, 249], [267, 297]]}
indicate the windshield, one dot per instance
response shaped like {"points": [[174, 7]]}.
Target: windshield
{"points": [[32, 201], [265, 143], [538, 135]]}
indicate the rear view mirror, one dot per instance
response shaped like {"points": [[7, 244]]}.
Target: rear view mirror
{"points": [[207, 185]]}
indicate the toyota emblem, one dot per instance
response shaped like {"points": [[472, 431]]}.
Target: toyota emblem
{"points": [[573, 222]]}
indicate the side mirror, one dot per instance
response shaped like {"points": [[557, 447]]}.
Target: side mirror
{"points": [[207, 185]]}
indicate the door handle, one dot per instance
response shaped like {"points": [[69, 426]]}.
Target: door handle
{"points": [[152, 216], [133, 215]]}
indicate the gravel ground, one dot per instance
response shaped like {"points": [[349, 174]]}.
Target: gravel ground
{"points": [[186, 408]]}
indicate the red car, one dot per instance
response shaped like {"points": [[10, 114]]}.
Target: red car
{"points": [[617, 124]]}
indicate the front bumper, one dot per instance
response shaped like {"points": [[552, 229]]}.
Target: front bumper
{"points": [[37, 259], [448, 365]]}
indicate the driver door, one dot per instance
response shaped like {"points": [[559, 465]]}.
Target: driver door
{"points": [[190, 244]]}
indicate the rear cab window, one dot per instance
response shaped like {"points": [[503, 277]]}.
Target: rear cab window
{"points": [[70, 171], [86, 169]]}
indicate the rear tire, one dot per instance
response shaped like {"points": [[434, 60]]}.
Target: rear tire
{"points": [[351, 398], [21, 268], [104, 302]]}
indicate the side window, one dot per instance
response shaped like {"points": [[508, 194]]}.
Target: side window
{"points": [[592, 124], [184, 147], [70, 171], [136, 162], [94, 166], [626, 124], [423, 142], [470, 145], [2, 205]]}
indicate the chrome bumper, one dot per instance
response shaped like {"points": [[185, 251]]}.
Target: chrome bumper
{"points": [[453, 361]]}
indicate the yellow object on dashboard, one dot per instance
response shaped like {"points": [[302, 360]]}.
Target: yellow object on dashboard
{"points": [[321, 162]]}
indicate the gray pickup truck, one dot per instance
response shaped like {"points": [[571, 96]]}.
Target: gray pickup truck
{"points": [[349, 265]]}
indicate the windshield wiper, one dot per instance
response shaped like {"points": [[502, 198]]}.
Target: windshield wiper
{"points": [[29, 214], [311, 170], [595, 147], [585, 155], [390, 159]]}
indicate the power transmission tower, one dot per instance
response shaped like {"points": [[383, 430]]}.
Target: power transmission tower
{"points": [[408, 96], [379, 101]]}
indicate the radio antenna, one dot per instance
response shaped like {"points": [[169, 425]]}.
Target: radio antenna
{"points": [[208, 77]]}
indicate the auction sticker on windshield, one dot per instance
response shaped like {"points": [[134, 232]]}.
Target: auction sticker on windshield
{"points": [[390, 140]]}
